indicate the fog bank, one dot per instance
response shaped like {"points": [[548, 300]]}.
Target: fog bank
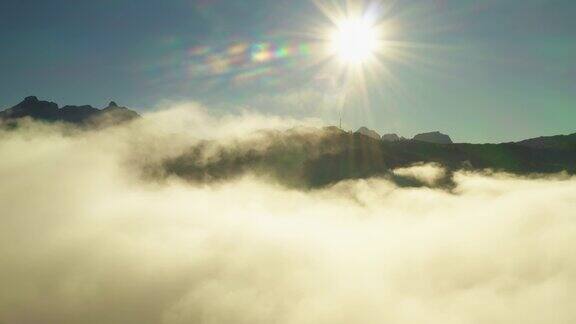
{"points": [[85, 239]]}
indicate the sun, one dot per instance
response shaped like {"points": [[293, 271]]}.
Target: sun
{"points": [[354, 40]]}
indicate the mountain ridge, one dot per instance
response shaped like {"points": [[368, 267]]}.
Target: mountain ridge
{"points": [[317, 157], [326, 156], [85, 115], [49, 111]]}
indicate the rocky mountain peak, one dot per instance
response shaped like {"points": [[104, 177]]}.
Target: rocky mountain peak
{"points": [[368, 132], [391, 138], [433, 137]]}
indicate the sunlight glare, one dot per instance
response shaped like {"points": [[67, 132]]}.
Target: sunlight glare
{"points": [[354, 41]]}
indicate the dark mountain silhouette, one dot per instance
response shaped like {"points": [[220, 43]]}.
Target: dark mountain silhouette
{"points": [[433, 137], [567, 142], [323, 157], [86, 115], [310, 157], [33, 108], [77, 114], [117, 114]]}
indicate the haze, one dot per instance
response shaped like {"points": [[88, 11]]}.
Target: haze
{"points": [[84, 238]]}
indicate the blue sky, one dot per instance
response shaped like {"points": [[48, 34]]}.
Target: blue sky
{"points": [[482, 71]]}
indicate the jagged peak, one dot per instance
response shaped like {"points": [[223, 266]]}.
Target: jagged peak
{"points": [[34, 108]]}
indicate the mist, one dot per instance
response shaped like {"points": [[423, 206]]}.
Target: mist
{"points": [[86, 238]]}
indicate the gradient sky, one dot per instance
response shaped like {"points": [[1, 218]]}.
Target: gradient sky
{"points": [[481, 71]]}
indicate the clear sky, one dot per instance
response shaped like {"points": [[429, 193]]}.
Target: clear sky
{"points": [[481, 71]]}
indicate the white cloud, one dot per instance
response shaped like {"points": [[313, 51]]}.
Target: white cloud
{"points": [[429, 174], [84, 240]]}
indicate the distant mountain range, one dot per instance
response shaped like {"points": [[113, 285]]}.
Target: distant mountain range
{"points": [[86, 115], [319, 157], [313, 157], [431, 137]]}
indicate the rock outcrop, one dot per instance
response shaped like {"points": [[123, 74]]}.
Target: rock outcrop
{"points": [[368, 132], [391, 138], [433, 137]]}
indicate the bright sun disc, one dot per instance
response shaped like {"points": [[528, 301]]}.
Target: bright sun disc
{"points": [[354, 41]]}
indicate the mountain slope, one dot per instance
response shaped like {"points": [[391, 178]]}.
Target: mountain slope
{"points": [[551, 142], [322, 157]]}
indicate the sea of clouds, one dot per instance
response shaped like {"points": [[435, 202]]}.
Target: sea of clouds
{"points": [[85, 239]]}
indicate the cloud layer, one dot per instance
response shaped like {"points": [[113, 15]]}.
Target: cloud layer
{"points": [[83, 239]]}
